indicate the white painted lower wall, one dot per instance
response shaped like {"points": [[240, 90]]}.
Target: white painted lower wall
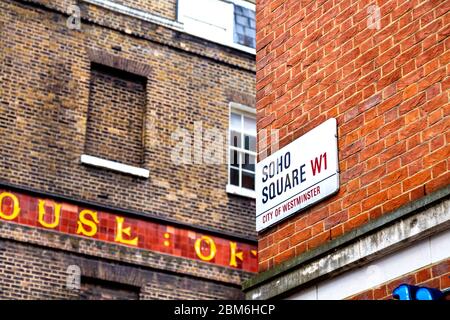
{"points": [[420, 254]]}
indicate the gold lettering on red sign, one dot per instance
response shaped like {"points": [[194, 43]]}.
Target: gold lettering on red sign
{"points": [[212, 248], [42, 212], [84, 222], [166, 236], [121, 231], [69, 218], [234, 254], [16, 206]]}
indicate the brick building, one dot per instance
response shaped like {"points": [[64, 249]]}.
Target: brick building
{"points": [[381, 69], [108, 110]]}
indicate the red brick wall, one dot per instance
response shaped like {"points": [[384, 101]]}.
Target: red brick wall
{"points": [[436, 276], [388, 89]]}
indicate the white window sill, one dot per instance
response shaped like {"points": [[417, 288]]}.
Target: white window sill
{"points": [[114, 166], [241, 191]]}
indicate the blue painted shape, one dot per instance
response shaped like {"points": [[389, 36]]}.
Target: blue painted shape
{"points": [[428, 294], [405, 292]]}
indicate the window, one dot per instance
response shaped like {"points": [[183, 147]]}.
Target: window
{"points": [[231, 23], [244, 26], [115, 121], [242, 151]]}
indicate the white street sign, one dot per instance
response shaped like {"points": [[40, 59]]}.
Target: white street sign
{"points": [[302, 173]]}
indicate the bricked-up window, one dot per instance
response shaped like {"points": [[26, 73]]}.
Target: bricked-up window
{"points": [[97, 289], [116, 115], [242, 152], [244, 26]]}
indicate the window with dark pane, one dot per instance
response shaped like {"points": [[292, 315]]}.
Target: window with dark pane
{"points": [[244, 26], [248, 180]]}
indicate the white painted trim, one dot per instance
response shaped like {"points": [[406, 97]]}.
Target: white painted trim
{"points": [[243, 3], [305, 294], [242, 108], [115, 166], [439, 247], [386, 269], [171, 24], [139, 14], [232, 189]]}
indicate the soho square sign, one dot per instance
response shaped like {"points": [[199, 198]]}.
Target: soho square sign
{"points": [[297, 176]]}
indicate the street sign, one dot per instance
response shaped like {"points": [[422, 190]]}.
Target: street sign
{"points": [[297, 176]]}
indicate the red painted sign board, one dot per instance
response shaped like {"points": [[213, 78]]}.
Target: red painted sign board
{"points": [[64, 217]]}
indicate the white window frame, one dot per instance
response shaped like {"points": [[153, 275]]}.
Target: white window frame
{"points": [[229, 41], [232, 189]]}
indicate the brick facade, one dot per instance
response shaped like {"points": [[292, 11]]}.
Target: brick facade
{"points": [[116, 89], [388, 90], [166, 9], [35, 272]]}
